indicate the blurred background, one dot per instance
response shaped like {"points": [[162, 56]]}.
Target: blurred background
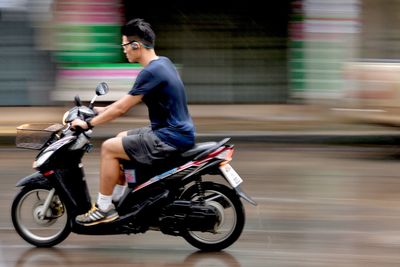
{"points": [[226, 53], [307, 89], [341, 54], [310, 51], [294, 59], [284, 52]]}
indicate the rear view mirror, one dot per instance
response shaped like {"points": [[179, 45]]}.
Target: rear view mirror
{"points": [[102, 88]]}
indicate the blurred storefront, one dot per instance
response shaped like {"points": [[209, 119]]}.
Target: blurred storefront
{"points": [[324, 36], [346, 54], [27, 72], [226, 52], [229, 52], [88, 49], [293, 51], [373, 78]]}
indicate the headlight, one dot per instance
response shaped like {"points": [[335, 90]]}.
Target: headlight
{"points": [[42, 159], [65, 117]]}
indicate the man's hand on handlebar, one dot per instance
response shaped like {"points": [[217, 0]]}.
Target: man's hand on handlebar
{"points": [[78, 123]]}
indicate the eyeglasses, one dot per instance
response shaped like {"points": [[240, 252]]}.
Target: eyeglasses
{"points": [[144, 45], [123, 45]]}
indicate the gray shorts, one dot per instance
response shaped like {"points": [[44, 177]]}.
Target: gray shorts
{"points": [[143, 146]]}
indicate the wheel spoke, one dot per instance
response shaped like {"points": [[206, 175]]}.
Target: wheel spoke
{"points": [[37, 195]]}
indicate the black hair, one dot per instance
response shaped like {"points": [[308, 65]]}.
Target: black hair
{"points": [[138, 28]]}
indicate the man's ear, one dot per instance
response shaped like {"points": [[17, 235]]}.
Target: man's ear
{"points": [[135, 45]]}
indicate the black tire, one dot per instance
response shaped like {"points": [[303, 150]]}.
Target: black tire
{"points": [[231, 200], [25, 232]]}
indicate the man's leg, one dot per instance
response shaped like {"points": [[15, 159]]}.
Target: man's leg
{"points": [[111, 152], [121, 185], [121, 180]]}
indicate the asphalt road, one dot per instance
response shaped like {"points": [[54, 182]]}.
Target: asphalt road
{"points": [[318, 206]]}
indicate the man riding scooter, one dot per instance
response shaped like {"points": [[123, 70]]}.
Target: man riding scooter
{"points": [[160, 87]]}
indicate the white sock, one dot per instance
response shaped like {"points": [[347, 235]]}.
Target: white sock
{"points": [[104, 201], [118, 192]]}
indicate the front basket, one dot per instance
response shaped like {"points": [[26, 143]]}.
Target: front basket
{"points": [[37, 135]]}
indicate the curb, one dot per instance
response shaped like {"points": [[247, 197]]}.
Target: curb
{"points": [[310, 138]]}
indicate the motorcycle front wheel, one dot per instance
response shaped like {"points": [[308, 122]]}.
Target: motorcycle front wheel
{"points": [[29, 222], [230, 211]]}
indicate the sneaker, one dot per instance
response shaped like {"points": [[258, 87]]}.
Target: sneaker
{"points": [[96, 216]]}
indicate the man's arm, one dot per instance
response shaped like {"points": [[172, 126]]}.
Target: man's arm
{"points": [[111, 112]]}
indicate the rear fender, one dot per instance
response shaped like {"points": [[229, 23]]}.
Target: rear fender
{"points": [[34, 179], [245, 196]]}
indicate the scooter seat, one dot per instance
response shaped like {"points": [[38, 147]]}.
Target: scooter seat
{"points": [[197, 149]]}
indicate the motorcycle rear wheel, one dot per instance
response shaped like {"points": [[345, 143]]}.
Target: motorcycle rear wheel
{"points": [[232, 217], [40, 232]]}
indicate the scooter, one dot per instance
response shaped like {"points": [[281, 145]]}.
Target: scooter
{"points": [[169, 196]]}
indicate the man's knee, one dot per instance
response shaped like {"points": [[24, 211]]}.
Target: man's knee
{"points": [[108, 146], [122, 134], [113, 148]]}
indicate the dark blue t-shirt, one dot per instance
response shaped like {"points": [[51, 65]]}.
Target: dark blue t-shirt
{"points": [[164, 94]]}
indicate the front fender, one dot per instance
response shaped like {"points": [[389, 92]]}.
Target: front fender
{"points": [[34, 179]]}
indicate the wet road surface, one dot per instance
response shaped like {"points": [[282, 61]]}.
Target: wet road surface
{"points": [[318, 206]]}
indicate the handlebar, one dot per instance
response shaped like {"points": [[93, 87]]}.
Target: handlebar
{"points": [[84, 112]]}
